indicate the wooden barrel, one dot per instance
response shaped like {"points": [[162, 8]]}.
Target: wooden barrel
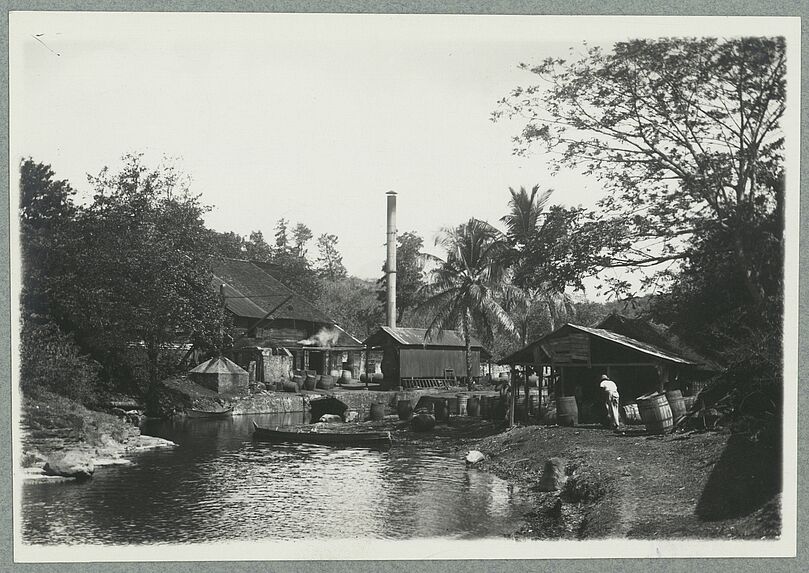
{"points": [[473, 406], [377, 411], [676, 403], [311, 382], [689, 401], [326, 382], [345, 377], [363, 377], [632, 414], [656, 414], [567, 413], [404, 408], [463, 404], [335, 373], [378, 377], [441, 409]]}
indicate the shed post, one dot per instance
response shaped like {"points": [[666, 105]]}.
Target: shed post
{"points": [[513, 399], [527, 399]]}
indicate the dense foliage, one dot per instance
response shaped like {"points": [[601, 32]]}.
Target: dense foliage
{"points": [[463, 291], [409, 278], [131, 269], [685, 136]]}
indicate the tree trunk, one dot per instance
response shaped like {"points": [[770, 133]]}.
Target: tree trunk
{"points": [[152, 355], [467, 349]]}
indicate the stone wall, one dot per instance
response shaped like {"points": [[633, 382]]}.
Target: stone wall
{"points": [[269, 403]]}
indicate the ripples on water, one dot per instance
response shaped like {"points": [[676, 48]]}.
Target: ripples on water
{"points": [[220, 485]]}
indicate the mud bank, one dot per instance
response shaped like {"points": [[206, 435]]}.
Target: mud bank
{"points": [[696, 485]]}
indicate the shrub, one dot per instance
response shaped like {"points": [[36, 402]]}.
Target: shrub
{"points": [[51, 360]]}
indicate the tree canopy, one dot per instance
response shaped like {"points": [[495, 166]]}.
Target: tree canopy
{"points": [[463, 289], [409, 275], [684, 133]]}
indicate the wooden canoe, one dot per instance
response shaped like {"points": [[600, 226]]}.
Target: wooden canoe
{"points": [[323, 437], [216, 414]]}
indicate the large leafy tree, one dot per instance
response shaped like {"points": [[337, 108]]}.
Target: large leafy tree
{"points": [[683, 132], [463, 289], [139, 263], [409, 275], [46, 214]]}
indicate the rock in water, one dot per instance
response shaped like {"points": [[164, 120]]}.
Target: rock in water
{"points": [[553, 475], [70, 464], [330, 418], [474, 457]]}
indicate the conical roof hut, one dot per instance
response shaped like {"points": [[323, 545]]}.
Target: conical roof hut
{"points": [[220, 375]]}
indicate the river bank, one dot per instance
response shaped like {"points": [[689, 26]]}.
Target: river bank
{"points": [[690, 485], [708, 485], [54, 426]]}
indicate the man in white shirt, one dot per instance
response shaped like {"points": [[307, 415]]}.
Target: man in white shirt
{"points": [[611, 397]]}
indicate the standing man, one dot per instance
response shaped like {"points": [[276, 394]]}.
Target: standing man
{"points": [[611, 398]]}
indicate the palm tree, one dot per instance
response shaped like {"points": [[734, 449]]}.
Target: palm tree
{"points": [[525, 229], [522, 222], [463, 289]]}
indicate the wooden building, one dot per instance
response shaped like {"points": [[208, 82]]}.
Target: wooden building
{"points": [[278, 329], [411, 360], [579, 355]]}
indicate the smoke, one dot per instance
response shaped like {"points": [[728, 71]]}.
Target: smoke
{"points": [[325, 337]]}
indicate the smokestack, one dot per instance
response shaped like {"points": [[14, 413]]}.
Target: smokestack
{"points": [[390, 273]]}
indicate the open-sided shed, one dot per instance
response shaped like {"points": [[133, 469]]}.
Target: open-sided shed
{"points": [[410, 359], [579, 355]]}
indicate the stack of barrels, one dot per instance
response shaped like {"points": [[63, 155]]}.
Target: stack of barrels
{"points": [[661, 412]]}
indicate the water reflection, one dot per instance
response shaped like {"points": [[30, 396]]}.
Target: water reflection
{"points": [[221, 485]]}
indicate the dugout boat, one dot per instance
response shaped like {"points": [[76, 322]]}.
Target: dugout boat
{"points": [[322, 436], [209, 414]]}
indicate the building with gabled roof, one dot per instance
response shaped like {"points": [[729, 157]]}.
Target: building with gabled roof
{"points": [[278, 329], [412, 359], [576, 357]]}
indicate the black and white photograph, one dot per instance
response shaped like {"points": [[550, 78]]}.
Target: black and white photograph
{"points": [[403, 286]]}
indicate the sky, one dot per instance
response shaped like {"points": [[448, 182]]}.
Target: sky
{"points": [[308, 117]]}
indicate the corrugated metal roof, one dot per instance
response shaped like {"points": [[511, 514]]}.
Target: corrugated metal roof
{"points": [[632, 343], [657, 335], [252, 293], [525, 354], [417, 337]]}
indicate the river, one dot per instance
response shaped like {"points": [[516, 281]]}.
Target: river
{"points": [[220, 485]]}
